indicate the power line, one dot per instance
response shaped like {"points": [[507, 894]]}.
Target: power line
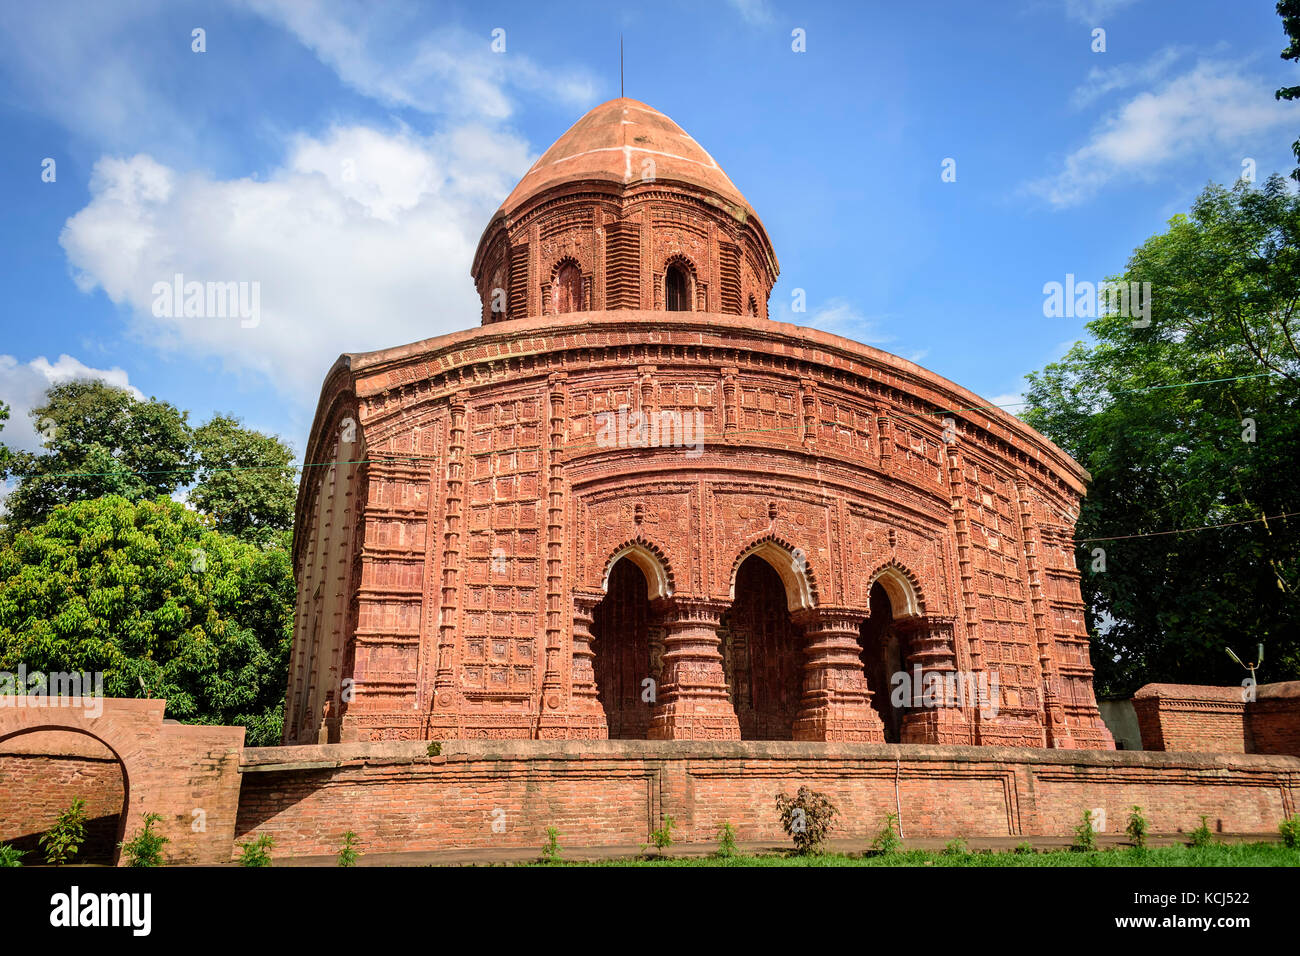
{"points": [[1204, 527]]}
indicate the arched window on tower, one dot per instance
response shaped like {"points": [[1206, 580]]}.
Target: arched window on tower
{"points": [[677, 289], [566, 290]]}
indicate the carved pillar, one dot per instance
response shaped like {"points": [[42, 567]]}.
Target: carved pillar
{"points": [[730, 403], [941, 696], [836, 701], [693, 703], [808, 403], [587, 717]]}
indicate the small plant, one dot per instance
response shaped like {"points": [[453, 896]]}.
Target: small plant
{"points": [[1137, 828], [1024, 847], [1085, 837], [9, 856], [955, 848], [807, 817], [435, 749], [62, 841], [551, 848], [726, 841], [146, 848], [663, 837], [1202, 836], [256, 852], [348, 853], [887, 840], [1290, 830]]}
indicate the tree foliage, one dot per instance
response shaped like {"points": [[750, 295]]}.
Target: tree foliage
{"points": [[160, 602], [1289, 11], [245, 479], [1165, 455], [99, 440]]}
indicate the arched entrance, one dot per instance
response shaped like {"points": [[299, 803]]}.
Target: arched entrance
{"points": [[42, 772], [762, 653], [885, 649], [628, 647]]}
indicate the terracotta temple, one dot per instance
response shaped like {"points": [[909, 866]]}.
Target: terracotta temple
{"points": [[630, 505]]}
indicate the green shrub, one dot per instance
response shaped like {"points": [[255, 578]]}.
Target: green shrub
{"points": [[62, 841], [887, 840], [1202, 836], [349, 853], [955, 848], [726, 841], [1085, 837], [1024, 847], [807, 817], [551, 848], [10, 856], [1290, 830], [146, 848], [1137, 828], [663, 837], [257, 852], [434, 749]]}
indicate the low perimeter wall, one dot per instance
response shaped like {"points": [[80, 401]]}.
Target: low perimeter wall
{"points": [[1220, 719], [506, 793]]}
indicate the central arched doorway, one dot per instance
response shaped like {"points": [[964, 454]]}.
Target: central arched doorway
{"points": [[41, 773], [762, 653], [885, 651], [628, 647]]}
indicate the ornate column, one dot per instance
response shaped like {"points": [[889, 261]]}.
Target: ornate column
{"points": [[943, 693], [836, 700], [693, 703], [586, 716]]}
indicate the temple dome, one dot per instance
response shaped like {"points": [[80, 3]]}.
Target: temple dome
{"points": [[614, 142], [624, 211]]}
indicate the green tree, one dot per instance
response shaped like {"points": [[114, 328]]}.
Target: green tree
{"points": [[1289, 11], [245, 479], [1225, 286], [99, 440], [148, 593], [5, 453]]}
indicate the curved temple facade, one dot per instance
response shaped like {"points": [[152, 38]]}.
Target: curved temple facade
{"points": [[629, 505]]}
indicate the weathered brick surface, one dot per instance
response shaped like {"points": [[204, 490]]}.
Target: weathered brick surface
{"points": [[42, 773], [614, 792], [454, 562], [171, 769], [1218, 719]]}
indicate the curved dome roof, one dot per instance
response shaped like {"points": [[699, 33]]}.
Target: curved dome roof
{"points": [[611, 143]]}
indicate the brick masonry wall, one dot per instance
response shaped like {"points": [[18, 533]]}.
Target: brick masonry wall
{"points": [[1217, 720], [615, 792], [41, 774]]}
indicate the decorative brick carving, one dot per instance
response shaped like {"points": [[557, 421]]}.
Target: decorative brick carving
{"points": [[456, 561]]}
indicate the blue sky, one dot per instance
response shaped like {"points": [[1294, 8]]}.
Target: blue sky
{"points": [[346, 156]]}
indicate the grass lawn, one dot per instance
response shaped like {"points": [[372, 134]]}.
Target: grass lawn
{"points": [[1236, 854]]}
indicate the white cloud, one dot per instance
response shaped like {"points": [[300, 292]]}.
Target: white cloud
{"points": [[385, 53], [1013, 402], [360, 240], [23, 385], [1104, 80], [1092, 12], [754, 12], [1212, 107], [835, 315]]}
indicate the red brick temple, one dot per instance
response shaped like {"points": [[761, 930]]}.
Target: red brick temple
{"points": [[630, 505]]}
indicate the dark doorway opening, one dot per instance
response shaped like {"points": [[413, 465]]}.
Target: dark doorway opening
{"points": [[762, 654], [885, 649], [628, 644]]}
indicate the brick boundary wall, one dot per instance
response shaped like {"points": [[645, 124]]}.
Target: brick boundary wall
{"points": [[171, 769], [615, 792], [1209, 719], [41, 774]]}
